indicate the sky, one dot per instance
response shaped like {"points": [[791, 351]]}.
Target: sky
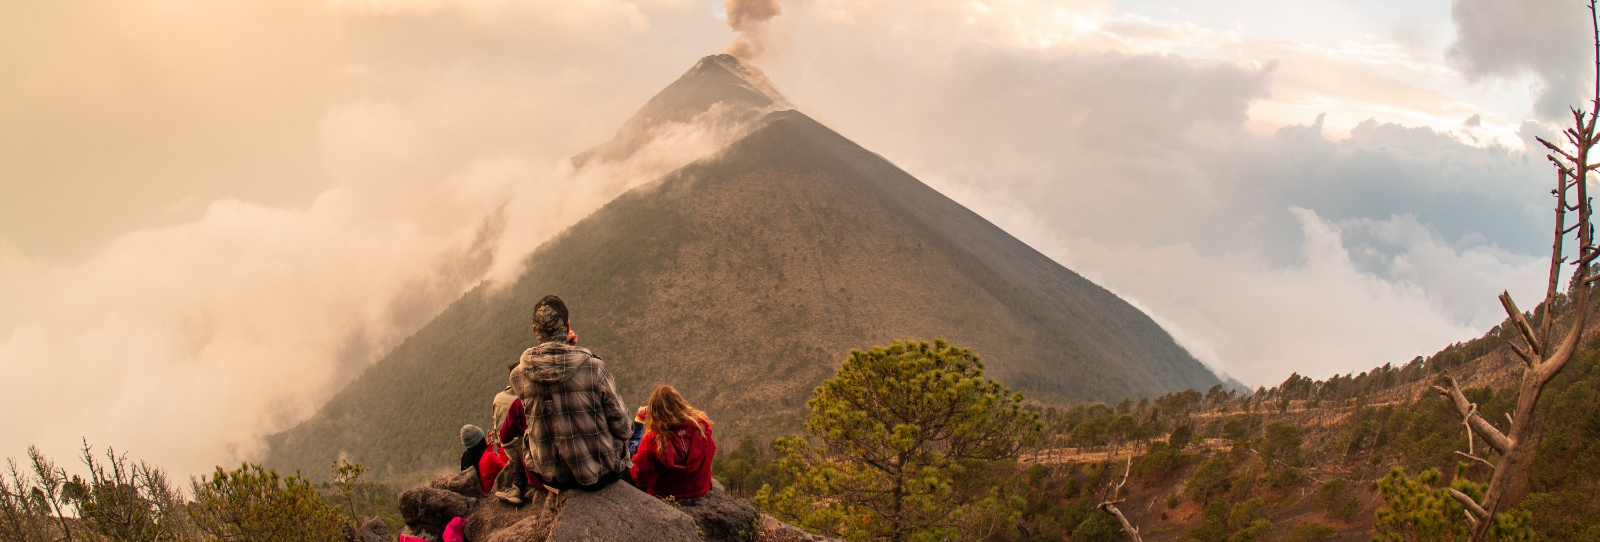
{"points": [[216, 214]]}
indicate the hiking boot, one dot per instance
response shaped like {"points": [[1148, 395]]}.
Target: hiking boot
{"points": [[509, 495]]}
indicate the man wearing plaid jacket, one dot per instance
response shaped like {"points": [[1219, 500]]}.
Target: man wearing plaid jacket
{"points": [[576, 426]]}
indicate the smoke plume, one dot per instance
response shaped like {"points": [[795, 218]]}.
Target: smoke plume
{"points": [[749, 18]]}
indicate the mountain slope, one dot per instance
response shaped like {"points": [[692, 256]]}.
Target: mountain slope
{"points": [[743, 280]]}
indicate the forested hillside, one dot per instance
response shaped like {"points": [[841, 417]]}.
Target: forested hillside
{"points": [[1301, 461]]}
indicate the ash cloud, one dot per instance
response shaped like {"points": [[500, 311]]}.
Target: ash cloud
{"points": [[749, 19]]}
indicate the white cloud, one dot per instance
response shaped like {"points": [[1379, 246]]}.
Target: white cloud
{"points": [[1245, 316]]}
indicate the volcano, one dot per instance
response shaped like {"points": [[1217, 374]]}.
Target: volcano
{"points": [[744, 279]]}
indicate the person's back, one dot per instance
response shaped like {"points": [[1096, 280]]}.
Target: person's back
{"points": [[500, 405], [577, 428], [674, 457]]}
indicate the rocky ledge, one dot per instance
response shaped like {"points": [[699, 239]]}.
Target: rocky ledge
{"points": [[617, 513]]}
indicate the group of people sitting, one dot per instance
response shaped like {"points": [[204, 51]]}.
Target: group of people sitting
{"points": [[560, 425]]}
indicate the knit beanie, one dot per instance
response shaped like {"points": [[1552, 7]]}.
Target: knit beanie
{"points": [[471, 435], [642, 414]]}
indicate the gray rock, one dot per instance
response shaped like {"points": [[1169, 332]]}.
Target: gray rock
{"points": [[530, 529], [464, 482], [371, 530], [492, 516], [428, 509], [723, 518], [425, 536], [619, 513]]}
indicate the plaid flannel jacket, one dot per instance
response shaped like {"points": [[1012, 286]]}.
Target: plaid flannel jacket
{"points": [[578, 428]]}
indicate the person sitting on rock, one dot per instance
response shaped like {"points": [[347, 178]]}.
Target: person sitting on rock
{"points": [[571, 419], [481, 456], [674, 457], [501, 404], [472, 438], [513, 480]]}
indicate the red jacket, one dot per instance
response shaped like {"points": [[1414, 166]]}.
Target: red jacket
{"points": [[685, 475]]}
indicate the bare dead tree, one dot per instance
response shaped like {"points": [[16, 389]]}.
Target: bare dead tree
{"points": [[1544, 350], [1109, 502]]}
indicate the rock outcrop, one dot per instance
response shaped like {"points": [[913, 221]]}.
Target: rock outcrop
{"points": [[617, 513]]}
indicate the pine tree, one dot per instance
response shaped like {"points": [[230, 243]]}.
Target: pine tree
{"points": [[900, 431]]}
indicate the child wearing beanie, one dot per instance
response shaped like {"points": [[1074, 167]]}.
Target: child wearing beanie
{"points": [[472, 438]]}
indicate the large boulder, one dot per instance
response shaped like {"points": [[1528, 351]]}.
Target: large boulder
{"points": [[620, 513], [371, 530], [427, 509], [493, 517], [721, 517], [464, 482], [617, 513]]}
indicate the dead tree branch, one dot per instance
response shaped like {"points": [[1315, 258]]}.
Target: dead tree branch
{"points": [[1521, 322], [1546, 354], [1469, 412], [1109, 504], [1472, 506]]}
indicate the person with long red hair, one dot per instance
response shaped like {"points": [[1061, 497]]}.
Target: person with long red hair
{"points": [[674, 457]]}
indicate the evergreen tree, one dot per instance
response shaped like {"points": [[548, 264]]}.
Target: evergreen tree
{"points": [[902, 431]]}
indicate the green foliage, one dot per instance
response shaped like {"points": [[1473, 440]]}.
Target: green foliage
{"points": [[1563, 479], [1211, 480], [749, 466], [1310, 531], [1337, 499], [1158, 461], [253, 504], [1414, 510], [123, 500], [1180, 437], [903, 428], [1213, 526], [358, 499], [1097, 527], [345, 476], [1281, 444]]}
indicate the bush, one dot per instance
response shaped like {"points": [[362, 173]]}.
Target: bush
{"points": [[1098, 527], [1336, 498], [1310, 531], [253, 504], [1156, 463], [1209, 481]]}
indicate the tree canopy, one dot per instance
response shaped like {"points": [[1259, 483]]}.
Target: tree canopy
{"points": [[900, 431]]}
